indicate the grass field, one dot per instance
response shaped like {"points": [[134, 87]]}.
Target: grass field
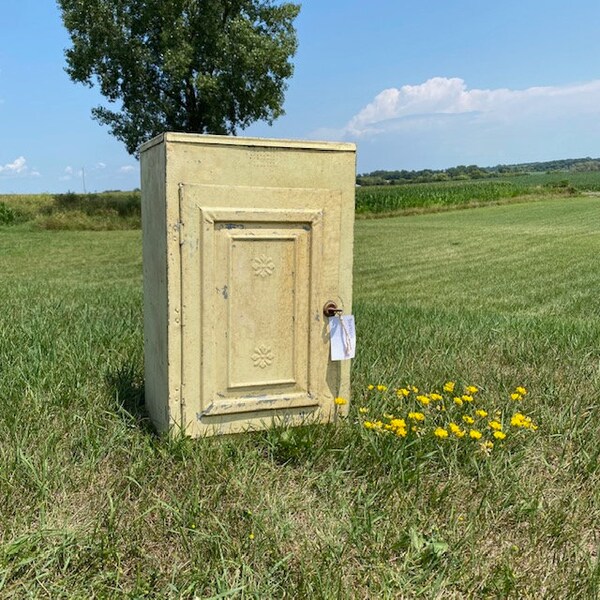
{"points": [[423, 197], [94, 505]]}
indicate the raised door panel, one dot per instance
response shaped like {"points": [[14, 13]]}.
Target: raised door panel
{"points": [[250, 298]]}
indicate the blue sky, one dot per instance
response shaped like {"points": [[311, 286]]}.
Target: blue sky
{"points": [[416, 84]]}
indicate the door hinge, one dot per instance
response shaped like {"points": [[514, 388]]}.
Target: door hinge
{"points": [[179, 224]]}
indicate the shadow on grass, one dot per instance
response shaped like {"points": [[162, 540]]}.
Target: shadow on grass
{"points": [[126, 385]]}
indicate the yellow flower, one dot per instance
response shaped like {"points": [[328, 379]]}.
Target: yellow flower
{"points": [[474, 434], [441, 433], [481, 413], [467, 398], [436, 397], [521, 390], [398, 423], [495, 425], [499, 435], [416, 416], [370, 387], [456, 430], [402, 392], [520, 420], [458, 401], [388, 416], [363, 410], [414, 389], [471, 389], [369, 425], [381, 388], [449, 386], [340, 401], [487, 445], [424, 400], [516, 396], [468, 419]]}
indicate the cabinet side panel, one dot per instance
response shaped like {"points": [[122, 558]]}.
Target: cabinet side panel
{"points": [[154, 243], [347, 172]]}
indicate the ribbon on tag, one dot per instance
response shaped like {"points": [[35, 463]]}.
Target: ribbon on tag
{"points": [[342, 335]]}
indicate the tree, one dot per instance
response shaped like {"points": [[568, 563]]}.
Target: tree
{"points": [[203, 66]]}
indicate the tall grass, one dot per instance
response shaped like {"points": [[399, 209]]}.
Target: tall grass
{"points": [[94, 504], [455, 194], [70, 211]]}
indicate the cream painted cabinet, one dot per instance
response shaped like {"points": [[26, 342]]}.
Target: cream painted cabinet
{"points": [[245, 241]]}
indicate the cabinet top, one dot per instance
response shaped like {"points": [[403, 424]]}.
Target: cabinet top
{"points": [[229, 140]]}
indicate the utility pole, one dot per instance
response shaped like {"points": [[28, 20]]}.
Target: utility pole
{"points": [[83, 178]]}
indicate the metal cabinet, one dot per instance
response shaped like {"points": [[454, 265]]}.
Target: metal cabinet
{"points": [[245, 240]]}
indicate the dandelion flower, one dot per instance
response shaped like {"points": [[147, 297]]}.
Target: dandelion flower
{"points": [[467, 398], [516, 396], [441, 433], [414, 389], [520, 420], [468, 419], [471, 389], [424, 400], [340, 401], [481, 413], [458, 401], [381, 388], [487, 445], [436, 397], [251, 536], [402, 392], [416, 416], [474, 434], [449, 386], [499, 435], [370, 387], [521, 390], [495, 425], [363, 410], [456, 430], [369, 425]]}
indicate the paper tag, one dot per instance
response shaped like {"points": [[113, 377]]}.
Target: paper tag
{"points": [[343, 337]]}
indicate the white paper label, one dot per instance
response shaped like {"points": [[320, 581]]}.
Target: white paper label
{"points": [[343, 337]]}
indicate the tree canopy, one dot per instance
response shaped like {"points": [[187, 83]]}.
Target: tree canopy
{"points": [[203, 66]]}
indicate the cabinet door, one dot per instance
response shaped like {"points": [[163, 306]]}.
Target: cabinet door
{"points": [[252, 327]]}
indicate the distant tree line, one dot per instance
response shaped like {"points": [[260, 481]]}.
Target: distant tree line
{"points": [[464, 172]]}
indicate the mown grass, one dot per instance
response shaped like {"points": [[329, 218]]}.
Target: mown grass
{"points": [[94, 504]]}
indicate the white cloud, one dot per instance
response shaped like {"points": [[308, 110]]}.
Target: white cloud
{"points": [[69, 173], [445, 98], [19, 165], [100, 165], [442, 122], [127, 169]]}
